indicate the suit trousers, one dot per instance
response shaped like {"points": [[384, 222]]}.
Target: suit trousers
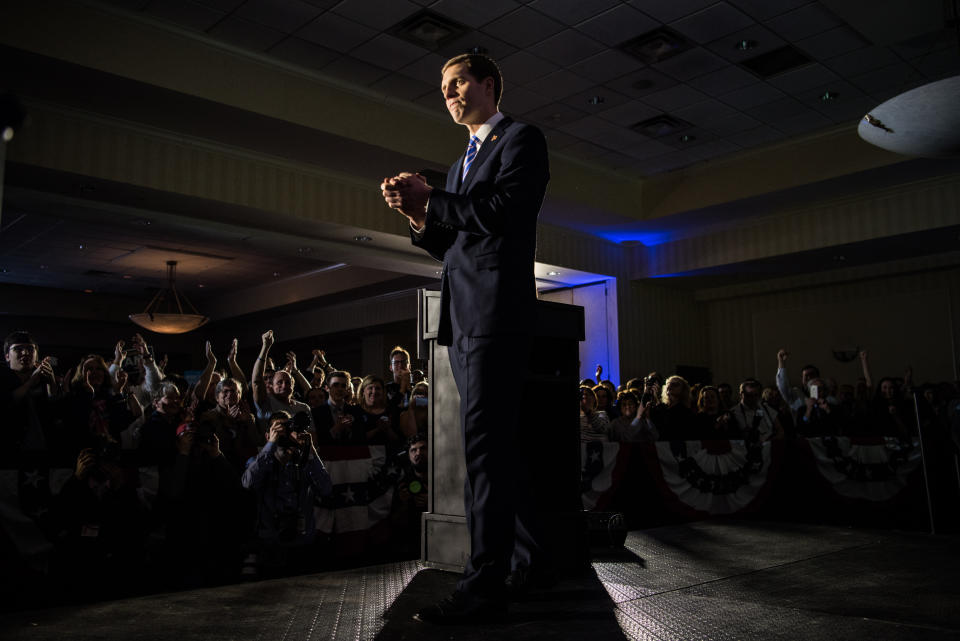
{"points": [[489, 372]]}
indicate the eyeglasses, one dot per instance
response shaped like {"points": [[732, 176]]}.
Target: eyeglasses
{"points": [[337, 384]]}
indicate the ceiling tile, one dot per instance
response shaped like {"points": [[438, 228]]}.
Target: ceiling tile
{"points": [[893, 77], [925, 44], [586, 150], [711, 23], [714, 148], [387, 51], [778, 110], [832, 43], [557, 140], [629, 113], [596, 100], [559, 84], [519, 100], [847, 108], [303, 53], [496, 49], [405, 88], [555, 115], [762, 38], [426, 69], [336, 32], [804, 78], [939, 64], [641, 83], [669, 10], [705, 112], [522, 67], [221, 5], [474, 14], [842, 90], [723, 81], [690, 64], [862, 60], [571, 12], [803, 22], [566, 48], [246, 34], [376, 14], [358, 72], [617, 25], [766, 9], [615, 160], [434, 103], [523, 27], [606, 65], [802, 123], [732, 124], [752, 95], [285, 15], [186, 14], [674, 98]]}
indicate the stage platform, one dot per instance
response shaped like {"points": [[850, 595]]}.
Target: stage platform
{"points": [[712, 580]]}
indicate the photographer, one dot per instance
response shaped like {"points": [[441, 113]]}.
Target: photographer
{"points": [[28, 390], [410, 497], [286, 476]]}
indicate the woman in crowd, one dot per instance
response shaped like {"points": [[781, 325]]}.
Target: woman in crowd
{"points": [[890, 415], [628, 427], [673, 418], [711, 421], [594, 424], [96, 408], [376, 420], [605, 400]]}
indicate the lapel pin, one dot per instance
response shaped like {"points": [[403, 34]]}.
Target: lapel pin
{"points": [[493, 138]]}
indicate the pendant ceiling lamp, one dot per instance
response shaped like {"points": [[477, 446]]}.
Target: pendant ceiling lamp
{"points": [[165, 314], [921, 122]]}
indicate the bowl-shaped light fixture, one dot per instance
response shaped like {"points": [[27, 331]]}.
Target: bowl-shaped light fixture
{"points": [[165, 314]]}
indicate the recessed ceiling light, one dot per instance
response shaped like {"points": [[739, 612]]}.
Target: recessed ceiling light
{"points": [[7, 134], [305, 250], [595, 100], [687, 138], [656, 46], [744, 45], [553, 273], [88, 291], [276, 274], [429, 30], [127, 277], [81, 246], [43, 266], [829, 96], [362, 239], [200, 285], [479, 50]]}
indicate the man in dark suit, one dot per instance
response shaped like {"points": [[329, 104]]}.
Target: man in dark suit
{"points": [[483, 228]]}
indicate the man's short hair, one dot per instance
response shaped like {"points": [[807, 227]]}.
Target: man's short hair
{"points": [[416, 438], [279, 416], [480, 67], [399, 350], [230, 381], [18, 337], [338, 374], [816, 370]]}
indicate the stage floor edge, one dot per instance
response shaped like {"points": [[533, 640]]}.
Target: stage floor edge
{"points": [[712, 580]]}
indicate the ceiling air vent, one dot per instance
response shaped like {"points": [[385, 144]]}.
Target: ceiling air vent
{"points": [[657, 45], [659, 126], [428, 29], [777, 61]]}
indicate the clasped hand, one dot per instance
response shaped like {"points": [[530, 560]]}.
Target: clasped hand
{"points": [[407, 193]]}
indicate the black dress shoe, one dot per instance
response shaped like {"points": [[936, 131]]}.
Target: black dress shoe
{"points": [[463, 607], [522, 581]]}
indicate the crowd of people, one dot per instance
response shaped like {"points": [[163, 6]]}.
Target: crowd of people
{"points": [[656, 409], [204, 481]]}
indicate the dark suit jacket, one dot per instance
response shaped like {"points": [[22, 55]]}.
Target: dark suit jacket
{"points": [[484, 229]]}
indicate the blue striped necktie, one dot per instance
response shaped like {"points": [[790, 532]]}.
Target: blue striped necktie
{"points": [[471, 154]]}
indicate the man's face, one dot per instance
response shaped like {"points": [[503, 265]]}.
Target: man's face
{"points": [[282, 385], [807, 374], [628, 408], [468, 100], [316, 397], [338, 389], [418, 454], [398, 364], [22, 357], [228, 396], [750, 394]]}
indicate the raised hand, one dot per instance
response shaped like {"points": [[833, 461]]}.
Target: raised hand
{"points": [[44, 372], [119, 354], [267, 339], [291, 361], [162, 365], [782, 355], [599, 372], [120, 383], [232, 354], [211, 358]]}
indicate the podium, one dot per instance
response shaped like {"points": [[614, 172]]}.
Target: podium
{"points": [[548, 438]]}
